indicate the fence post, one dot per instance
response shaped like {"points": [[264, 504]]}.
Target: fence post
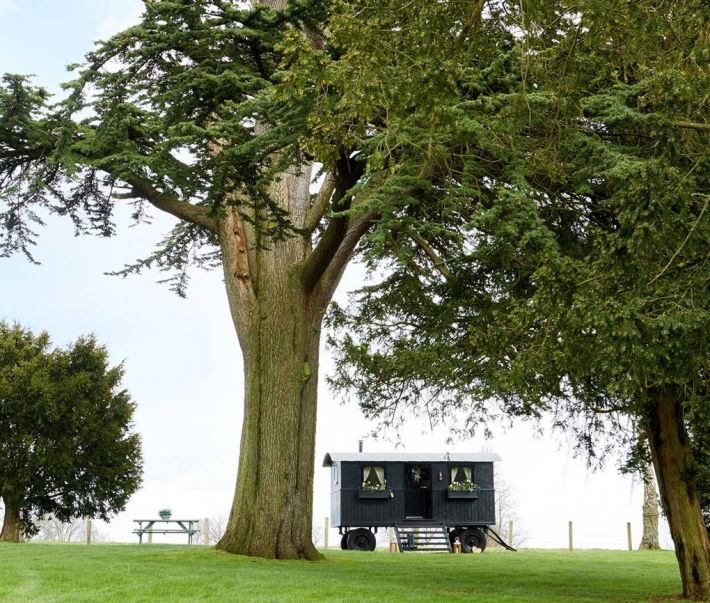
{"points": [[88, 531], [570, 537], [510, 532], [150, 537], [325, 532], [628, 535], [206, 531]]}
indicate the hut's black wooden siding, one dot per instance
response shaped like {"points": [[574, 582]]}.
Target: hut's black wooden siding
{"points": [[349, 510], [354, 511], [357, 511], [463, 511]]}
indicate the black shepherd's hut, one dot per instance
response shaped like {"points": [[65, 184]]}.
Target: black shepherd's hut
{"points": [[429, 499]]}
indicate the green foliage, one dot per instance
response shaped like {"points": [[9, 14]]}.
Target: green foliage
{"points": [[166, 109], [464, 486], [66, 446], [373, 487], [556, 256]]}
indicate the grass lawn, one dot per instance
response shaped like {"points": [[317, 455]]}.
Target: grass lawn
{"points": [[127, 573]]}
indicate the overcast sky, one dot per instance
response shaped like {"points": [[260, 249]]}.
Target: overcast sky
{"points": [[183, 366]]}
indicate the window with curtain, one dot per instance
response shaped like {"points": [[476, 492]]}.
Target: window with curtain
{"points": [[373, 478], [461, 474]]}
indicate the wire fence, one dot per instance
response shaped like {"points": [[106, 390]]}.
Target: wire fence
{"points": [[577, 534]]}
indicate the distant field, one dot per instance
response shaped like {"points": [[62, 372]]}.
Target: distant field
{"points": [[126, 573]]}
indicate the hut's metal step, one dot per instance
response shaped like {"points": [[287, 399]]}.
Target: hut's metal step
{"points": [[422, 537]]}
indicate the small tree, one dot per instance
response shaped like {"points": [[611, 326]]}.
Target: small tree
{"points": [[66, 446], [51, 529], [216, 526], [506, 512], [318, 535]]}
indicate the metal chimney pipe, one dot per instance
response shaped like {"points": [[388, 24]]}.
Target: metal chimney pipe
{"points": [[359, 445]]}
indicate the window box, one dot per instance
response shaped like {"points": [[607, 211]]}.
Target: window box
{"points": [[464, 493], [373, 493]]}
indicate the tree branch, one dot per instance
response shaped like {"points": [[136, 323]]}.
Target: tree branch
{"points": [[692, 125], [357, 228], [320, 205], [682, 245], [470, 24], [436, 260], [347, 174], [319, 259], [607, 411], [168, 203]]}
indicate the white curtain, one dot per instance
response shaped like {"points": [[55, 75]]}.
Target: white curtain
{"points": [[375, 476], [461, 474]]}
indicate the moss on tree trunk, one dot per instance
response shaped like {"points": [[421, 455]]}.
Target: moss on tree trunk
{"points": [[272, 511], [11, 524], [673, 461], [278, 322]]}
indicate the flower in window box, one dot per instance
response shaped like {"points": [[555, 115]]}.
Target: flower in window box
{"points": [[374, 487], [465, 486], [376, 491]]}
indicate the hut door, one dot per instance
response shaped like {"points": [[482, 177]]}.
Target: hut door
{"points": [[417, 493]]}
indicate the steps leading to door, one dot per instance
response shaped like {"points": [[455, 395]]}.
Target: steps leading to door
{"points": [[423, 537]]}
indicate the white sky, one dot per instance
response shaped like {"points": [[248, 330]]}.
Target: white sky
{"points": [[183, 366]]}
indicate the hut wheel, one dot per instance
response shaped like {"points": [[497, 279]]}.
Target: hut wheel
{"points": [[361, 540], [344, 541], [472, 537]]}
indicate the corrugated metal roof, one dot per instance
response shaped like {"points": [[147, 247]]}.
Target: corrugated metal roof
{"points": [[411, 457]]}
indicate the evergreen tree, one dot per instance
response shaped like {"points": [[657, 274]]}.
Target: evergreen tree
{"points": [[66, 446], [570, 273], [187, 113]]}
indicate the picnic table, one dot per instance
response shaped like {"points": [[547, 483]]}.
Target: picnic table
{"points": [[182, 526]]}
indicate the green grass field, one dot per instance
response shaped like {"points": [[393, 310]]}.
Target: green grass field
{"points": [[127, 573]]}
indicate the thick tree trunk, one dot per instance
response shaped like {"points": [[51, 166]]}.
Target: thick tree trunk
{"points": [[11, 524], [278, 290], [272, 510], [649, 540], [673, 461], [278, 321]]}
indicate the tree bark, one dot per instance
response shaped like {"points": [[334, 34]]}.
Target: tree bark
{"points": [[11, 524], [649, 540], [272, 511], [673, 460], [278, 321]]}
